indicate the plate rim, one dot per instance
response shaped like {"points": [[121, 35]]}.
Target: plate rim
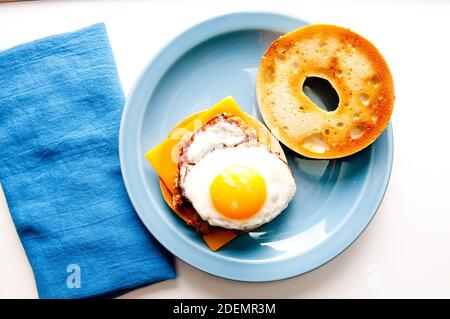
{"points": [[245, 20]]}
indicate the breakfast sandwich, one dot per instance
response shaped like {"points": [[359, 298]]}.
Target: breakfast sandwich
{"points": [[223, 173]]}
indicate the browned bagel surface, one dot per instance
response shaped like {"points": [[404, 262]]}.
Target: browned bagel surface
{"points": [[353, 66]]}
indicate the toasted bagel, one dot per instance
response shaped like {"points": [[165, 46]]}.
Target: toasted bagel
{"points": [[356, 70]]}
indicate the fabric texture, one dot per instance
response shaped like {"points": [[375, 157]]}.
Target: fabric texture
{"points": [[60, 107]]}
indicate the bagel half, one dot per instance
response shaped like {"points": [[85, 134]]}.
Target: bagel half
{"points": [[352, 65]]}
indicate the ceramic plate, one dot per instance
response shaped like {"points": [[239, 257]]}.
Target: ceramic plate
{"points": [[335, 199]]}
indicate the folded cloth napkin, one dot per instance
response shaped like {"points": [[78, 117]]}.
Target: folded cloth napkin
{"points": [[60, 107]]}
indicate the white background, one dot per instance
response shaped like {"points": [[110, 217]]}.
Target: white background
{"points": [[405, 252]]}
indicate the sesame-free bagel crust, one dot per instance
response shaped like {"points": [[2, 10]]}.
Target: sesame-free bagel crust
{"points": [[353, 66]]}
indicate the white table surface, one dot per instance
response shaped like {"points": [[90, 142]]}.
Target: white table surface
{"points": [[405, 252]]}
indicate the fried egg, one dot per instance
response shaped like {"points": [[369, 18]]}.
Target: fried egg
{"points": [[231, 180]]}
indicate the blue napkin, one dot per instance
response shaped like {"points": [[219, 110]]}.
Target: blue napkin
{"points": [[60, 107]]}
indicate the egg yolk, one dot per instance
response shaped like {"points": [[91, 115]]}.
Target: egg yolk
{"points": [[238, 192]]}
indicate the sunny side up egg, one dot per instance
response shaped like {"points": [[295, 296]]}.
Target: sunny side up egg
{"points": [[232, 181]]}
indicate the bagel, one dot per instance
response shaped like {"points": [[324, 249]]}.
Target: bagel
{"points": [[356, 70]]}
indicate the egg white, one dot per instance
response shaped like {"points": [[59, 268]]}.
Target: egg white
{"points": [[221, 134], [279, 181]]}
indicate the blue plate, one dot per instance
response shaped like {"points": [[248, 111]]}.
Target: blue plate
{"points": [[335, 200]]}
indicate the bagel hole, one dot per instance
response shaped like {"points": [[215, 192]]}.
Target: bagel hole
{"points": [[321, 93]]}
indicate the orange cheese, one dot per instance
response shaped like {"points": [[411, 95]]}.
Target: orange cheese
{"points": [[219, 238], [168, 198]]}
